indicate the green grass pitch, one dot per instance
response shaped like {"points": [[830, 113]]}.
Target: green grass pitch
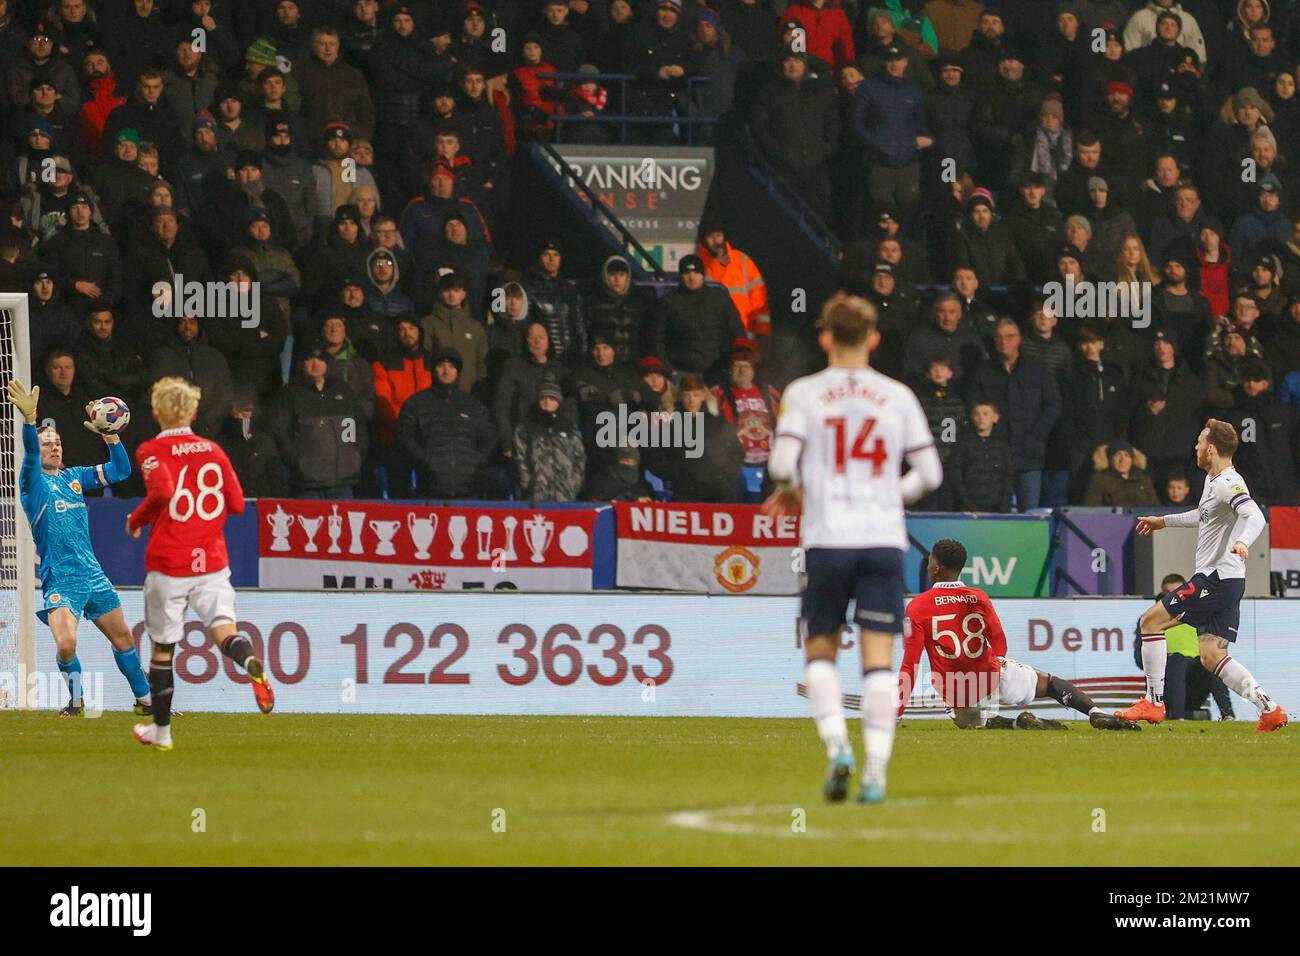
{"points": [[358, 790]]}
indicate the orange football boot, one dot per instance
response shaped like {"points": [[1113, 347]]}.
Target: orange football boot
{"points": [[1274, 719], [1144, 710]]}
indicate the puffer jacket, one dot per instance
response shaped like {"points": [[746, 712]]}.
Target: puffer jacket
{"points": [[558, 303], [309, 426], [398, 376], [550, 461], [694, 330], [450, 436], [622, 319], [109, 367]]}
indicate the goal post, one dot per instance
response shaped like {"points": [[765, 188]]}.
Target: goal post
{"points": [[17, 552]]}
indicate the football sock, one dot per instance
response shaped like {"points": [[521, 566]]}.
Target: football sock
{"points": [[879, 713], [1154, 656], [160, 681], [824, 693], [71, 671], [1067, 695], [128, 662], [1239, 679], [238, 648]]}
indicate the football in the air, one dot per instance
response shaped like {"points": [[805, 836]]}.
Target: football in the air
{"points": [[109, 414]]}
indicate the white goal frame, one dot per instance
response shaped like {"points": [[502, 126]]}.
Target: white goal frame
{"points": [[25, 549]]}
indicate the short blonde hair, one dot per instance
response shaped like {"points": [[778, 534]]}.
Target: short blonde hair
{"points": [[849, 318], [175, 401]]}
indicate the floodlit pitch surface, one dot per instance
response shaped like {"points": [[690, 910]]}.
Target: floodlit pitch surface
{"points": [[308, 789]]}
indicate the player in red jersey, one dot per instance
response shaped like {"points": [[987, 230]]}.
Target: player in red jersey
{"points": [[959, 630], [190, 487]]}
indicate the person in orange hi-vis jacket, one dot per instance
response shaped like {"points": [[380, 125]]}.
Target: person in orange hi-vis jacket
{"points": [[728, 266]]}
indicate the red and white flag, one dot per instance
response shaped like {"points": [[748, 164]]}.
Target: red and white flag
{"points": [[1284, 548], [721, 549], [325, 544]]}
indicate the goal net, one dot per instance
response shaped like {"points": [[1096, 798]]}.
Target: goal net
{"points": [[17, 554]]}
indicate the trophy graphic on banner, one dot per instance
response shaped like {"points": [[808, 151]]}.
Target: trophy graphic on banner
{"points": [[311, 526], [458, 531], [484, 528], [281, 522], [335, 522], [538, 535], [511, 523], [422, 531], [356, 524], [384, 530]]}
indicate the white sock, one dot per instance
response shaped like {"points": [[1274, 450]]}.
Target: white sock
{"points": [[1155, 653], [879, 712], [827, 698], [1235, 675]]}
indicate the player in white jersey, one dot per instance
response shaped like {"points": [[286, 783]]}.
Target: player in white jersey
{"points": [[1227, 523], [841, 440]]}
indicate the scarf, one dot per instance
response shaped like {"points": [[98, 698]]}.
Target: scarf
{"points": [[1052, 152]]}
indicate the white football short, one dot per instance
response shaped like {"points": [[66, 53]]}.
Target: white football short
{"points": [[1017, 687], [167, 598]]}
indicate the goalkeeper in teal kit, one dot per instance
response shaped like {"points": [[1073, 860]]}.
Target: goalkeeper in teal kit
{"points": [[73, 583]]}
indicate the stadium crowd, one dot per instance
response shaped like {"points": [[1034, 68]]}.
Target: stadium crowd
{"points": [[355, 159]]}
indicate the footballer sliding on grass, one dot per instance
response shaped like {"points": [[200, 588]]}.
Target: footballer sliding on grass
{"points": [[957, 627], [190, 486], [72, 581]]}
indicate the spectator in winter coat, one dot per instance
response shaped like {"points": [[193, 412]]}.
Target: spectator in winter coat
{"points": [[1271, 461], [1280, 336], [52, 324], [1142, 27], [1110, 226], [1225, 368], [1028, 407], [505, 330], [1036, 228], [1183, 227], [795, 124], [602, 385], [658, 51], [248, 442], [321, 432], [346, 363], [715, 475], [946, 335], [399, 374], [341, 250], [1042, 343], [383, 292], [1095, 404], [988, 246], [556, 301], [829, 33], [333, 90], [337, 180], [190, 82], [293, 178], [447, 433], [695, 324], [522, 376], [1124, 484], [108, 365], [549, 457], [1214, 269], [405, 64], [151, 116], [40, 56], [889, 116], [654, 374], [85, 258], [63, 402], [619, 311], [946, 414], [451, 325], [950, 110], [619, 478], [981, 469], [189, 356], [156, 257], [1265, 220], [1167, 409], [1180, 311]]}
